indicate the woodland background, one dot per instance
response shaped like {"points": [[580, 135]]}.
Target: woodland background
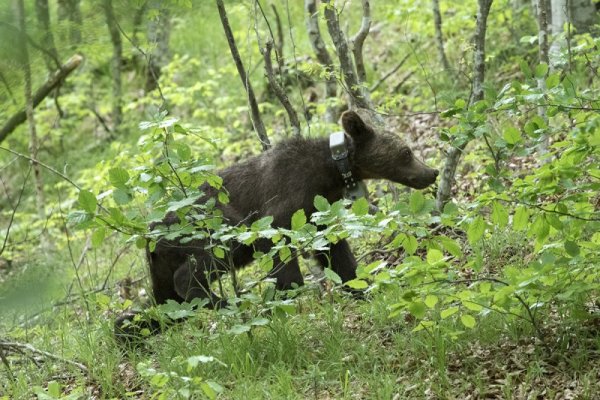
{"points": [[485, 286]]}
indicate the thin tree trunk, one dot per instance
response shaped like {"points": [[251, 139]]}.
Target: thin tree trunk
{"points": [[29, 110], [70, 10], [259, 127], [159, 30], [542, 19], [318, 45], [43, 18], [560, 16], [358, 97], [439, 35], [117, 61], [447, 179]]}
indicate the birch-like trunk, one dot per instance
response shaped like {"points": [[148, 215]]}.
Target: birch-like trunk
{"points": [[449, 171], [116, 62], [43, 19], [542, 19], [439, 35], [29, 111], [318, 46]]}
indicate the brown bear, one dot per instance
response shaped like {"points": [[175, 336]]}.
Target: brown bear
{"points": [[277, 183]]}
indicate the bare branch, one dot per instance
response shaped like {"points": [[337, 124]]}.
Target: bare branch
{"points": [[318, 45], [358, 98], [259, 127], [20, 347], [41, 93], [439, 35], [358, 40], [278, 90], [389, 73]]}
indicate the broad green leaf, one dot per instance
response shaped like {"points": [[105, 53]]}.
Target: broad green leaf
{"points": [[434, 256], [285, 254], [416, 202], [471, 305], [321, 203], [468, 320], [298, 220], [451, 246], [431, 300], [98, 237], [219, 252], [360, 206], [521, 218], [499, 214], [177, 205], [332, 276], [511, 135], [118, 177], [417, 308], [259, 321], [121, 196], [223, 198], [476, 229], [553, 80], [540, 227], [87, 201], [572, 248], [448, 312], [239, 329], [410, 244], [357, 284], [541, 70], [262, 224]]}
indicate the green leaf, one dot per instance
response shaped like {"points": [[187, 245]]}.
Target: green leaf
{"points": [[360, 206], [572, 248], [121, 196], [223, 198], [298, 220], [416, 202], [410, 244], [87, 201], [118, 177], [332, 276], [262, 224], [258, 321], [219, 252], [285, 254], [357, 284], [239, 329], [434, 256], [417, 308], [321, 203], [468, 320], [98, 237], [540, 228], [553, 80], [431, 300], [541, 70], [499, 214], [521, 218], [451, 246], [448, 312], [512, 135], [476, 229]]}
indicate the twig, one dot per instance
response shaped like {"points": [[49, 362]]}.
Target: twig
{"points": [[20, 347], [390, 73], [14, 210]]}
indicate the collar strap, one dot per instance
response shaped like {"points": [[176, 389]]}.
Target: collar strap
{"points": [[338, 145]]}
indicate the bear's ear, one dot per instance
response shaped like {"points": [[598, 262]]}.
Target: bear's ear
{"points": [[355, 127]]}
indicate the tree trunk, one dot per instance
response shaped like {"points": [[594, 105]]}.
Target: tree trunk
{"points": [[116, 62], [318, 45], [69, 10], [159, 30], [439, 35], [560, 14], [542, 19], [447, 179], [583, 14], [29, 110], [356, 92], [257, 122], [43, 19]]}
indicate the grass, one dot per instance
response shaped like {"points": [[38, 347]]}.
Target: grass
{"points": [[333, 347]]}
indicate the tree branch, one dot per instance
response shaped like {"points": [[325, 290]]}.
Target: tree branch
{"points": [[14, 346], [52, 82], [259, 127], [358, 40]]}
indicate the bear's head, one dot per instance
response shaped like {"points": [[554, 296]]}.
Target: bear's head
{"points": [[383, 155]]}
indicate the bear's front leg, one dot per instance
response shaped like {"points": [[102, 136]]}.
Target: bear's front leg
{"points": [[340, 259]]}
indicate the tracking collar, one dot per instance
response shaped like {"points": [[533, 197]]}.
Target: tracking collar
{"points": [[353, 189]]}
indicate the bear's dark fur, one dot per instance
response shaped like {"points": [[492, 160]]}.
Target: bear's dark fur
{"points": [[278, 182]]}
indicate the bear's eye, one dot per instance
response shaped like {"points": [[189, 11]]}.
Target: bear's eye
{"points": [[405, 154]]}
